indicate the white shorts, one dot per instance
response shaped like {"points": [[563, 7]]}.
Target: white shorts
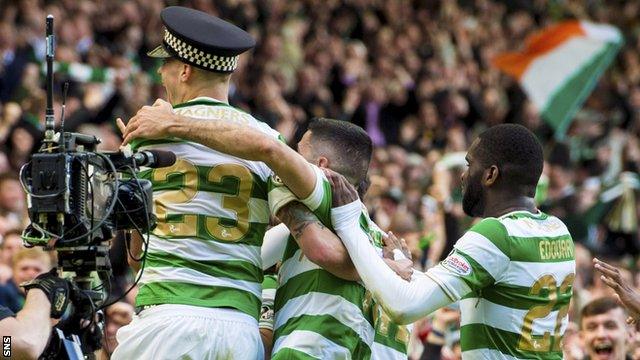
{"points": [[189, 332]]}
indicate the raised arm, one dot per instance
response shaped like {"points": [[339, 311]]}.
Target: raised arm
{"points": [[159, 121]]}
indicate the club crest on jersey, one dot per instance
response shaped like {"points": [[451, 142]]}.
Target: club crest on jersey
{"points": [[275, 179], [457, 264]]}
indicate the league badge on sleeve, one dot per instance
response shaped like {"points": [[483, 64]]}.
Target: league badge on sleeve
{"points": [[457, 264]]}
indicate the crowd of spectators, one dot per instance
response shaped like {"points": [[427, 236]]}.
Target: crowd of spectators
{"points": [[415, 74]]}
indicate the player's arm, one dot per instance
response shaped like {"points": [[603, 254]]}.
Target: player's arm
{"points": [[266, 335], [159, 121], [403, 301], [317, 242], [323, 247]]}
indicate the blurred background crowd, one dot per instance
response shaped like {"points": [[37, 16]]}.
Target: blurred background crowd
{"points": [[415, 74]]}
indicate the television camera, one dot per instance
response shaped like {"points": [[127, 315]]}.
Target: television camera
{"points": [[77, 199]]}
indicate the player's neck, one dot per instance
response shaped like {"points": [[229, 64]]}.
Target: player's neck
{"points": [[498, 206], [219, 92]]}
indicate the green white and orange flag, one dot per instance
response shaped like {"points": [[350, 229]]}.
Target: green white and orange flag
{"points": [[560, 66]]}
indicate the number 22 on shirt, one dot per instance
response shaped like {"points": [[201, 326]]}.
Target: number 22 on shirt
{"points": [[528, 341]]}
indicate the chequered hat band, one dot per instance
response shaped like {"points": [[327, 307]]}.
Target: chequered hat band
{"points": [[191, 54]]}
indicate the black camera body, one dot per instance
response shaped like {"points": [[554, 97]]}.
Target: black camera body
{"points": [[59, 184], [78, 196]]}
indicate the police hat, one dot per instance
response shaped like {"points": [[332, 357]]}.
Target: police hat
{"points": [[201, 40]]}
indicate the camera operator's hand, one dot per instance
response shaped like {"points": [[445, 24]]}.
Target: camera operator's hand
{"points": [[150, 122], [57, 290]]}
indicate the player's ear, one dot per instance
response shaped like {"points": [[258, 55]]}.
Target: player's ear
{"points": [[490, 175], [323, 162], [186, 72]]}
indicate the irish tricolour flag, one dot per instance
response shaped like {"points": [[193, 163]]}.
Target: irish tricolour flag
{"points": [[560, 66]]}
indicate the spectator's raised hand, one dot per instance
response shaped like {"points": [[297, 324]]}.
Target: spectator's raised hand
{"points": [[150, 122], [351, 100], [627, 295]]}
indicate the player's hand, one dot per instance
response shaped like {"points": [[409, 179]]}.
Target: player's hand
{"points": [[404, 267], [150, 122], [343, 193], [391, 242], [625, 292], [57, 290]]}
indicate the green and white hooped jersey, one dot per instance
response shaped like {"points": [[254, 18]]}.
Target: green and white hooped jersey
{"points": [[318, 315], [212, 211], [517, 273]]}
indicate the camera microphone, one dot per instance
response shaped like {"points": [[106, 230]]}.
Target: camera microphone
{"points": [[50, 54], [154, 158], [148, 158]]}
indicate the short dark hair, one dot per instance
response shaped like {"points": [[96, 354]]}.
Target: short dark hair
{"points": [[516, 152], [350, 147], [599, 306]]}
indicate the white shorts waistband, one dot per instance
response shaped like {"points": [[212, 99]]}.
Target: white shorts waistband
{"points": [[225, 314]]}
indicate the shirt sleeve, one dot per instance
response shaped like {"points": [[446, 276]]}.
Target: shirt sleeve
{"points": [[404, 301], [274, 245], [280, 195]]}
